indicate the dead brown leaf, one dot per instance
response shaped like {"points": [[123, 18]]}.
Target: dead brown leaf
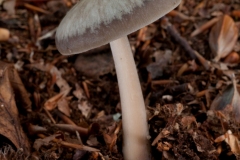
{"points": [[231, 140], [10, 126], [51, 103], [223, 37], [83, 105], [78, 93], [63, 106], [164, 133], [187, 121], [223, 99], [60, 82], [55, 73], [45, 141], [146, 34], [9, 6], [236, 102], [228, 101], [111, 136], [111, 140], [164, 146]]}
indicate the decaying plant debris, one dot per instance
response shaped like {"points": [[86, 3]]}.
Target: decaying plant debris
{"points": [[188, 64]]}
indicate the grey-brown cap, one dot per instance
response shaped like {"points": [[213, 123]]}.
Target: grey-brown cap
{"points": [[92, 23]]}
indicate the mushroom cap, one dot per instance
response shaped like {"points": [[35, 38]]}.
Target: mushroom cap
{"points": [[92, 23]]}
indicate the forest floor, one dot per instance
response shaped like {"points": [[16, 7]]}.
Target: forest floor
{"points": [[68, 107]]}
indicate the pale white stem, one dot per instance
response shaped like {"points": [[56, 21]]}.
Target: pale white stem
{"points": [[135, 129]]}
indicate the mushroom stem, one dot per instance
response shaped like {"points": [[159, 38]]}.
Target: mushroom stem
{"points": [[135, 129]]}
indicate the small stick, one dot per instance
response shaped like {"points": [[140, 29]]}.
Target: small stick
{"points": [[34, 129], [34, 8], [175, 13], [183, 42], [73, 128], [64, 117], [49, 115], [85, 87], [71, 145], [79, 138], [163, 82], [204, 27], [201, 93], [60, 58]]}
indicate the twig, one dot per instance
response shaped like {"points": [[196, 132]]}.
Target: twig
{"points": [[34, 8], [204, 27], [85, 87], [49, 115], [64, 117], [71, 145], [183, 42]]}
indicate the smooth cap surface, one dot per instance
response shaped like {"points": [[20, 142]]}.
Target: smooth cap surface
{"points": [[92, 23]]}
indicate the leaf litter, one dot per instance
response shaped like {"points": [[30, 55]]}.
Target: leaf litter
{"points": [[188, 63]]}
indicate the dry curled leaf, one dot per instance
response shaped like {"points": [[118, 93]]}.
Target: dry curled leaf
{"points": [[228, 101], [55, 73], [45, 141], [223, 37], [204, 27], [188, 121], [63, 106], [236, 102], [83, 104], [57, 77], [52, 102], [223, 99], [164, 146], [231, 140], [9, 6], [164, 133], [12, 94], [111, 136]]}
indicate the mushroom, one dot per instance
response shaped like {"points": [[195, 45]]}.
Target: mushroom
{"points": [[92, 23]]}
